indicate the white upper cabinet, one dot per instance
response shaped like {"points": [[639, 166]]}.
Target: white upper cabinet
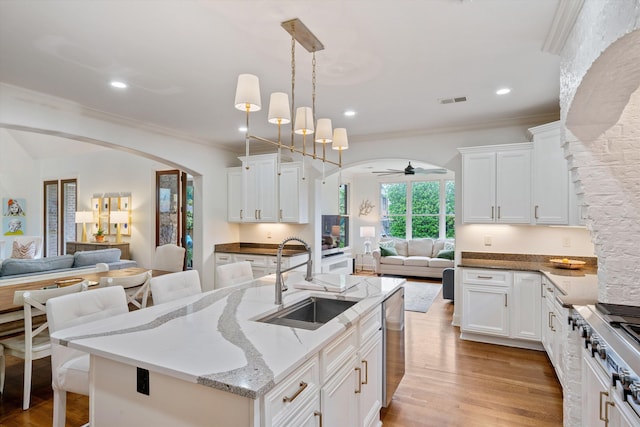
{"points": [[294, 198], [258, 194], [550, 176], [496, 184]]}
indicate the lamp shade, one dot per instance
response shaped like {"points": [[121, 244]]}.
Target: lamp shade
{"points": [[340, 141], [83, 217], [279, 108], [335, 230], [304, 121], [323, 131], [367, 231], [119, 217], [248, 93]]}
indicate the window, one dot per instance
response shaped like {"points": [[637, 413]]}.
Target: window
{"points": [[60, 202], [418, 209]]}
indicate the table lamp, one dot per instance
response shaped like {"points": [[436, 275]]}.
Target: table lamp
{"points": [[119, 218], [367, 232], [83, 217]]}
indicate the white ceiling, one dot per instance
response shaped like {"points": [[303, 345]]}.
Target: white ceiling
{"points": [[389, 60]]}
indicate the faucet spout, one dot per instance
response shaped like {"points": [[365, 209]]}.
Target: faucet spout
{"points": [[280, 285]]}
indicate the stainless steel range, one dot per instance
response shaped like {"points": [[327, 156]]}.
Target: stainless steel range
{"points": [[611, 363]]}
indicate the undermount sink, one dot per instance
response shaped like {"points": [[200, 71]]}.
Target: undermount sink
{"points": [[310, 313]]}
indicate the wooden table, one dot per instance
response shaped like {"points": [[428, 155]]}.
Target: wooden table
{"points": [[11, 314]]}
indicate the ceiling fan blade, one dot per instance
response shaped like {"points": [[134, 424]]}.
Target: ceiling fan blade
{"points": [[425, 171], [389, 171]]}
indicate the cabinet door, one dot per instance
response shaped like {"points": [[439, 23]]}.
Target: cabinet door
{"points": [[293, 195], [550, 179], [265, 191], [478, 187], [339, 396], [513, 186], [485, 309], [235, 195], [371, 394], [595, 393], [525, 310]]}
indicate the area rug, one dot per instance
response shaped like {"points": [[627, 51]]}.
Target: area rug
{"points": [[418, 296]]}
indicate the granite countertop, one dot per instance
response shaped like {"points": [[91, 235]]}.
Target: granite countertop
{"points": [[228, 350], [577, 287], [259, 249]]}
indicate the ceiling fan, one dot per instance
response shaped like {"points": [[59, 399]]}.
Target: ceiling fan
{"points": [[409, 170]]}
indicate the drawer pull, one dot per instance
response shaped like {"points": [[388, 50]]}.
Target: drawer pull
{"points": [[602, 393], [498, 212], [359, 390], [303, 385], [492, 208], [319, 415], [505, 300], [535, 212], [485, 277]]}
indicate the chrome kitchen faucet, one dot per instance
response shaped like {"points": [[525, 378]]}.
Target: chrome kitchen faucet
{"points": [[280, 286]]}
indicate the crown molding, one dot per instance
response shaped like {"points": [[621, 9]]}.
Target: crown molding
{"points": [[563, 21]]}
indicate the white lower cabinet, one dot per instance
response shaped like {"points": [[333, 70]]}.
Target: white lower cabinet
{"points": [[261, 265], [553, 327], [501, 303], [341, 386]]}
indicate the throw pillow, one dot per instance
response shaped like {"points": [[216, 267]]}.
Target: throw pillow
{"points": [[446, 254], [449, 246], [26, 251], [388, 251], [388, 244]]}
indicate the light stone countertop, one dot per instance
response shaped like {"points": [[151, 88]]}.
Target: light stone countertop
{"points": [[212, 339]]}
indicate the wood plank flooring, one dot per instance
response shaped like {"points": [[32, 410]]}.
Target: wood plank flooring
{"points": [[448, 382]]}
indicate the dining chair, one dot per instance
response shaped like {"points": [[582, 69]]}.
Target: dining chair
{"points": [[233, 274], [34, 343], [136, 287], [169, 257], [70, 367], [169, 287]]}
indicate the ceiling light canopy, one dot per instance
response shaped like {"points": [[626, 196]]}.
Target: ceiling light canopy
{"points": [[503, 91], [118, 84], [248, 100]]}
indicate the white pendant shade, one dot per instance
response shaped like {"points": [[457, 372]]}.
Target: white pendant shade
{"points": [[323, 131], [304, 121], [248, 93], [279, 108], [340, 141], [119, 217]]}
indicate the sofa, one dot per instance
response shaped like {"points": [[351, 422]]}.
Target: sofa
{"points": [[14, 270], [415, 257]]}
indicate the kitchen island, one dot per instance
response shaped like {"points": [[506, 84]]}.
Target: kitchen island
{"points": [[205, 360]]}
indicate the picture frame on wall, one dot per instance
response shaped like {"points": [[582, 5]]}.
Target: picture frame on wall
{"points": [[14, 207]]}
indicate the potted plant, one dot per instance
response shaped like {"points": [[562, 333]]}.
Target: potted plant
{"points": [[99, 235]]}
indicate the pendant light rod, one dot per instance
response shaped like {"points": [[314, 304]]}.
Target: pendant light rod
{"points": [[293, 149]]}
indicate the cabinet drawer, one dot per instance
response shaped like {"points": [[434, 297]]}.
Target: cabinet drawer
{"points": [[224, 258], [487, 277], [255, 260], [334, 355], [299, 387], [370, 324]]}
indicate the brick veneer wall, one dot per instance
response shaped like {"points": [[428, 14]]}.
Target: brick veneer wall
{"points": [[600, 106]]}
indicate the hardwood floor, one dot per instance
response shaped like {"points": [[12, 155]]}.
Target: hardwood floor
{"points": [[448, 382]]}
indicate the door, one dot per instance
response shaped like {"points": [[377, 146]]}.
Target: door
{"points": [[513, 186], [339, 397], [60, 204], [371, 395], [525, 313], [479, 187], [485, 309], [595, 394], [171, 208]]}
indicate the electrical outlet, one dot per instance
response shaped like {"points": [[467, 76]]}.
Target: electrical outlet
{"points": [[566, 242], [142, 380], [487, 240], [268, 234]]}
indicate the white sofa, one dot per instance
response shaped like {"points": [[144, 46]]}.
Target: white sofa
{"points": [[416, 257]]}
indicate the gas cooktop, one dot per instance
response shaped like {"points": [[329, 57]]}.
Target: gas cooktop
{"points": [[616, 314]]}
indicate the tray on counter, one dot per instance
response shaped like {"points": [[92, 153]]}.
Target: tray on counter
{"points": [[570, 264]]}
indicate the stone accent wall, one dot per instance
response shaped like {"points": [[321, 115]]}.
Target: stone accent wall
{"points": [[600, 104]]}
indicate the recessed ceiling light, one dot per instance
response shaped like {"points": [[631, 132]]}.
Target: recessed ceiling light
{"points": [[349, 113], [242, 129], [503, 91], [118, 84]]}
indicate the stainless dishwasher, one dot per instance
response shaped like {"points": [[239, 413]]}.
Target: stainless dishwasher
{"points": [[392, 344]]}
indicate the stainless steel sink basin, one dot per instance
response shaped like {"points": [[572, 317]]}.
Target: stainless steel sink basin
{"points": [[310, 313]]}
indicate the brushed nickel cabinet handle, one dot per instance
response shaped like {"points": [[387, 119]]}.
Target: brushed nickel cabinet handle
{"points": [[505, 300], [485, 277], [535, 212], [301, 388], [241, 213], [492, 208], [498, 212]]}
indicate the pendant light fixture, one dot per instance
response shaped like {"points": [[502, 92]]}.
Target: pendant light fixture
{"points": [[248, 100]]}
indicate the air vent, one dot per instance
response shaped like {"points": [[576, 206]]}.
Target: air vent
{"points": [[452, 100]]}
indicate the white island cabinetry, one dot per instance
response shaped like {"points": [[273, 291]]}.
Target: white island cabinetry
{"points": [[237, 371]]}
